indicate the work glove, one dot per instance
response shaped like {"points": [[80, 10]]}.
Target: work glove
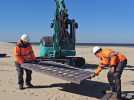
{"points": [[35, 61], [31, 61], [27, 61], [112, 69], [92, 75]]}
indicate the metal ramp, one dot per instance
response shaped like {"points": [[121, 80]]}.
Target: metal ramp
{"points": [[58, 70]]}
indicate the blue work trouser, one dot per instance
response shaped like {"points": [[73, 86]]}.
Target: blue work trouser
{"points": [[20, 72], [115, 78]]}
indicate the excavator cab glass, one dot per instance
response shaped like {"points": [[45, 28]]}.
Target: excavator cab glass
{"points": [[47, 41]]}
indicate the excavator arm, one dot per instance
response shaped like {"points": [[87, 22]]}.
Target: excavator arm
{"points": [[63, 36]]}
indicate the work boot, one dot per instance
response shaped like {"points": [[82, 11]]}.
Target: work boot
{"points": [[29, 85], [21, 87]]}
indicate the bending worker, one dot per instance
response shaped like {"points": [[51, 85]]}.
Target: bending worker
{"points": [[116, 63], [23, 52]]}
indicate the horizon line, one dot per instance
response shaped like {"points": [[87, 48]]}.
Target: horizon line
{"points": [[93, 44]]}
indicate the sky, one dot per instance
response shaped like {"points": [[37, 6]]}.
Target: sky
{"points": [[101, 21]]}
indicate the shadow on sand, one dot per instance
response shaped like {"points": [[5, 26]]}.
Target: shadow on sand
{"points": [[86, 88], [132, 82], [3, 55]]}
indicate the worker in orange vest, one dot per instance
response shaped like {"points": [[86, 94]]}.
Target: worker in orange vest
{"points": [[116, 62], [23, 52]]}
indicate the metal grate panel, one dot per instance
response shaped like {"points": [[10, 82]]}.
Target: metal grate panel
{"points": [[62, 71]]}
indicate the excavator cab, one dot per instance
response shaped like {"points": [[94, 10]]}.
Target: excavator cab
{"points": [[61, 46], [65, 41], [46, 47]]}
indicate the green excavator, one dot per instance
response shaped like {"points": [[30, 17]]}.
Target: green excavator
{"points": [[61, 46], [57, 53]]}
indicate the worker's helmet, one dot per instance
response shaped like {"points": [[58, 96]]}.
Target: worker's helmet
{"points": [[25, 38], [96, 49]]}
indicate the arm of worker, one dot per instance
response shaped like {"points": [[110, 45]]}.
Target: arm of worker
{"points": [[17, 56], [97, 71], [114, 53], [32, 53], [33, 57]]}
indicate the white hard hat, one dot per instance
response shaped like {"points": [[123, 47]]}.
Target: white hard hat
{"points": [[25, 38], [96, 49]]}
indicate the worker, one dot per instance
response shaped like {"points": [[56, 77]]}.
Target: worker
{"points": [[23, 52], [116, 62]]}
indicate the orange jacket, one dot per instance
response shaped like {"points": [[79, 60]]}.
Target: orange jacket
{"points": [[109, 58], [23, 53]]}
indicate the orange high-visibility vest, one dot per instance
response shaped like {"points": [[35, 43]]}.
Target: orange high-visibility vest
{"points": [[22, 54], [109, 58]]}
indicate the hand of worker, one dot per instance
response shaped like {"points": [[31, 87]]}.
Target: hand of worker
{"points": [[112, 69], [31, 61], [92, 76], [35, 61], [26, 61]]}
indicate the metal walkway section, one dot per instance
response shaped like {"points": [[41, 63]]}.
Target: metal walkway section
{"points": [[58, 70]]}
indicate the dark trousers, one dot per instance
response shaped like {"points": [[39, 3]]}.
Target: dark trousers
{"points": [[20, 72], [115, 78]]}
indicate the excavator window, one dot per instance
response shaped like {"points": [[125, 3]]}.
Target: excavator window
{"points": [[47, 41]]}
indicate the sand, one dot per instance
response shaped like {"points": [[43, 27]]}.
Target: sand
{"points": [[50, 88]]}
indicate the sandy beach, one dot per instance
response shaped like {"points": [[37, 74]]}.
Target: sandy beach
{"points": [[50, 88]]}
